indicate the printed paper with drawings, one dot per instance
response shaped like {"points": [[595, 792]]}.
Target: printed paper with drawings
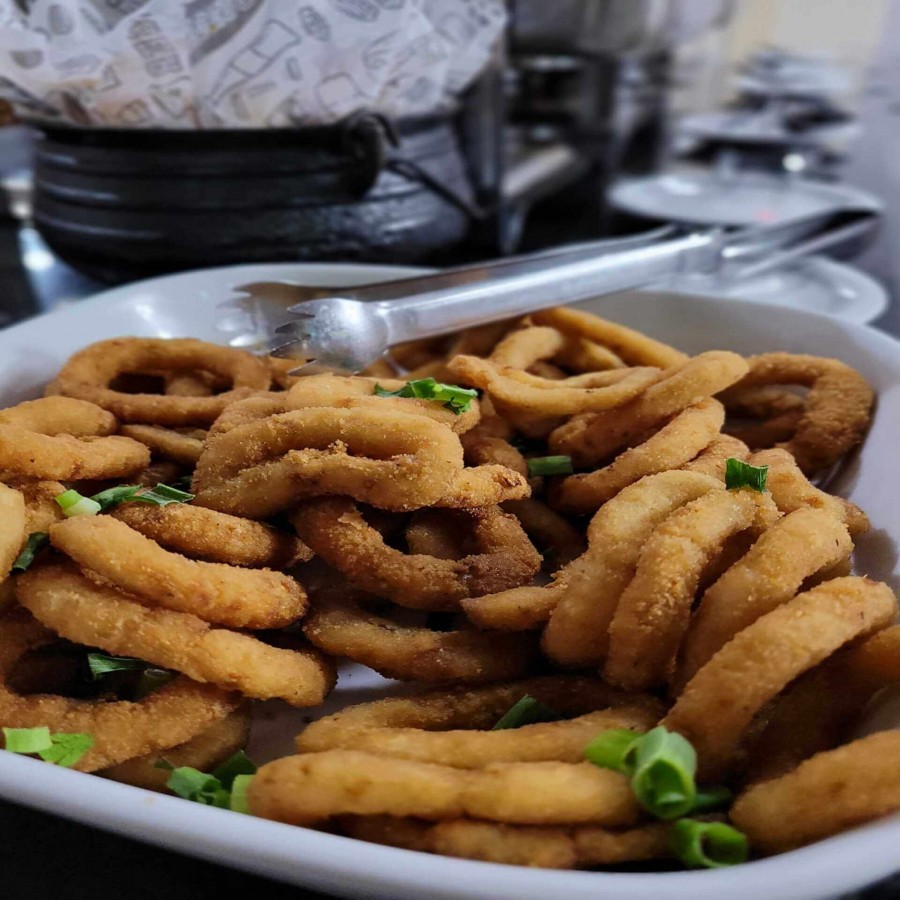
{"points": [[239, 63]]}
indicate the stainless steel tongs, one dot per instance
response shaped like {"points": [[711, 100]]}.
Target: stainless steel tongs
{"points": [[350, 328]]}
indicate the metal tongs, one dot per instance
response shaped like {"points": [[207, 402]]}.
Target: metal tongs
{"points": [[348, 329]]}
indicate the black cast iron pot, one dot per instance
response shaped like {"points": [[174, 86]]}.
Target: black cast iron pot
{"points": [[122, 204]]}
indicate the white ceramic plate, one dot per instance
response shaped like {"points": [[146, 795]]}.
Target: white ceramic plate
{"points": [[186, 305], [816, 284]]}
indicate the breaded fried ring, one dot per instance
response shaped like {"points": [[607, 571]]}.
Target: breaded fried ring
{"points": [[395, 461], [213, 536], [791, 490], [191, 384], [674, 445], [60, 415], [88, 374], [13, 531], [41, 508], [64, 439], [548, 530], [340, 627], [767, 415], [838, 405], [713, 459], [162, 471], [541, 396], [653, 612], [354, 392], [204, 751], [433, 533], [829, 793], [87, 613], [876, 661], [793, 549], [719, 702], [484, 486], [481, 340], [314, 787], [166, 442], [634, 347], [588, 588], [482, 448], [591, 438], [257, 406], [454, 729], [216, 592], [518, 845], [502, 558], [121, 730]]}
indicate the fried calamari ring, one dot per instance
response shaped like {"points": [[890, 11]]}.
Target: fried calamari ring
{"points": [[653, 612], [484, 486], [591, 438], [517, 845], [587, 589], [719, 702], [532, 394], [315, 787], [204, 752], [827, 794], [213, 536], [81, 611], [218, 593], [713, 459], [453, 728], [257, 406], [13, 519], [791, 490], [41, 508], [178, 446], [65, 439], [88, 374], [341, 627], [502, 556], [766, 415], [394, 461], [675, 444], [554, 534], [793, 549], [121, 730], [634, 347], [480, 448], [838, 405], [354, 392]]}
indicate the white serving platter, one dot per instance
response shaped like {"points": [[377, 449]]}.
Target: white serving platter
{"points": [[189, 305]]}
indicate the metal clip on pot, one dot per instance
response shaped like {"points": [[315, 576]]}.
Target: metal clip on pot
{"points": [[349, 330]]}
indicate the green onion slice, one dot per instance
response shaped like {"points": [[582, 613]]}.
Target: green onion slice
{"points": [[614, 749], [664, 768], [163, 495], [61, 749], [27, 740], [708, 845], [457, 399], [239, 793], [739, 474], [711, 798], [201, 787], [36, 542], [73, 504], [101, 664], [235, 766], [115, 495], [550, 465], [527, 711]]}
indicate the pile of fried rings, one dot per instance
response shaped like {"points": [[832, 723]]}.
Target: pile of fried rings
{"points": [[333, 523]]}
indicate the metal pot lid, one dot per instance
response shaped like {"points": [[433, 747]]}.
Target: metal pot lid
{"points": [[815, 284], [706, 198]]}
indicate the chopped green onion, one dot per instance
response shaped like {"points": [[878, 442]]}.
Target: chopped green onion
{"points": [[100, 664], [67, 749], [613, 749], [192, 784], [454, 398], [235, 766], [115, 495], [61, 749], [27, 740], [239, 793], [163, 495], [36, 542], [708, 845], [550, 465], [73, 504], [711, 798], [740, 474], [526, 711], [663, 779]]}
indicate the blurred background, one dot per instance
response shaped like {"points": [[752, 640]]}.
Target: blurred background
{"points": [[567, 121]]}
